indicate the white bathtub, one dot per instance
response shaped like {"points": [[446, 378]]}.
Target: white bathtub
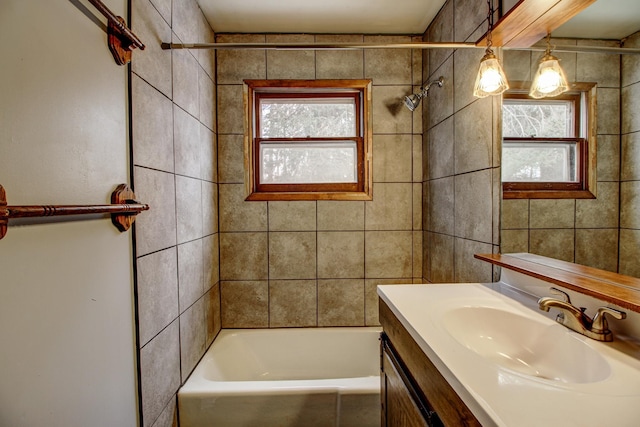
{"points": [[286, 377]]}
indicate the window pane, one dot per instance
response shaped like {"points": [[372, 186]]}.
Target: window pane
{"points": [[539, 162], [308, 162], [537, 119], [307, 117]]}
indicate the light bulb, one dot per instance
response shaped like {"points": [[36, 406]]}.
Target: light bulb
{"points": [[491, 79], [549, 80]]}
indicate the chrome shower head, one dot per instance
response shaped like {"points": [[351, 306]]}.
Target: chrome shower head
{"points": [[412, 101]]}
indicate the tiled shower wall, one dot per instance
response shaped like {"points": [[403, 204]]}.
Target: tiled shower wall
{"points": [[630, 162], [317, 263], [461, 181], [601, 232], [174, 157]]}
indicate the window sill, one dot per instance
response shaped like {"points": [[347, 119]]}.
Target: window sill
{"points": [[290, 196], [547, 194]]}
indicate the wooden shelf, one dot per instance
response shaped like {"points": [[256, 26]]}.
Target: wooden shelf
{"points": [[618, 289], [530, 20]]}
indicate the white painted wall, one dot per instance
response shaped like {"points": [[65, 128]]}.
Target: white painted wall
{"points": [[67, 350]]}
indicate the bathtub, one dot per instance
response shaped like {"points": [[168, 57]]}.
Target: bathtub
{"points": [[286, 377]]}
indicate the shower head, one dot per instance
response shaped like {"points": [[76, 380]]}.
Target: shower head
{"points": [[412, 101]]}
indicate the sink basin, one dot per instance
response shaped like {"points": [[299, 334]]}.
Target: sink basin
{"points": [[526, 345]]}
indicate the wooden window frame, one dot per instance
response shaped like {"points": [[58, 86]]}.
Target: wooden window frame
{"points": [[584, 97], [360, 90]]}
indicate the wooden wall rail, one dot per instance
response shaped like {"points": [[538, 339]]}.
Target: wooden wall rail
{"points": [[121, 39], [123, 209]]}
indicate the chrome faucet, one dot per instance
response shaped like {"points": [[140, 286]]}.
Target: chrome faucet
{"points": [[575, 318]]}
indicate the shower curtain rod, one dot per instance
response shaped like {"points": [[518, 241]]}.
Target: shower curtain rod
{"points": [[423, 45]]}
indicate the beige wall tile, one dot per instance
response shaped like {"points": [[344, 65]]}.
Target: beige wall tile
{"points": [[185, 80], [157, 292], [390, 208], [159, 371], [206, 99], [245, 304], [553, 243], [630, 157], [608, 157], [552, 213], [630, 102], [466, 62], [442, 258], [604, 69], [211, 260], [371, 298], [514, 241], [156, 229], [155, 65], [441, 30], [340, 215], [152, 126], [466, 22], [392, 158], [292, 255], [467, 268], [417, 206], [517, 65], [212, 313], [292, 303], [630, 252], [630, 204], [473, 137], [236, 214], [190, 273], [231, 158], [474, 206], [597, 248], [631, 63], [441, 205], [209, 208], [292, 216], [186, 143], [388, 111], [188, 208], [609, 110], [388, 254], [192, 337], [439, 104], [441, 148], [208, 155], [341, 302], [279, 62], [601, 212], [388, 66], [417, 254], [515, 213], [234, 65], [243, 256], [339, 64], [341, 254], [416, 160], [230, 109]]}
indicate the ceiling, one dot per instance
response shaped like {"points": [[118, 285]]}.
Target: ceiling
{"points": [[605, 19]]}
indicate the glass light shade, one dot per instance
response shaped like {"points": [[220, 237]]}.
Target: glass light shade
{"points": [[491, 79], [549, 80]]}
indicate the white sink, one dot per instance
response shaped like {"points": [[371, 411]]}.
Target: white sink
{"points": [[526, 345], [512, 365]]}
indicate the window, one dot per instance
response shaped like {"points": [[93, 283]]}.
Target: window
{"points": [[308, 139], [549, 145]]}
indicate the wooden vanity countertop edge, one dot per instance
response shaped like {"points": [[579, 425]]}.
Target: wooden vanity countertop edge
{"points": [[608, 286]]}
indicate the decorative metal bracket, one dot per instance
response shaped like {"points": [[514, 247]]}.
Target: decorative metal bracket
{"points": [[123, 210], [121, 40]]}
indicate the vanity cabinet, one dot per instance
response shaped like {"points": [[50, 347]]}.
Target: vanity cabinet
{"points": [[413, 391]]}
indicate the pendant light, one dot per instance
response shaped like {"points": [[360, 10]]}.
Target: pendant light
{"points": [[550, 79], [491, 79]]}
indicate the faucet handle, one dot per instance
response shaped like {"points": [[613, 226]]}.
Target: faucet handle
{"points": [[563, 294], [600, 321]]}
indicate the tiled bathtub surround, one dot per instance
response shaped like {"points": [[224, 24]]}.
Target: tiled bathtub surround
{"points": [[174, 157], [461, 147], [601, 232], [294, 264]]}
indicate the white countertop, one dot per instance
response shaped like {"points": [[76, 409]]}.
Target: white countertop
{"points": [[502, 397]]}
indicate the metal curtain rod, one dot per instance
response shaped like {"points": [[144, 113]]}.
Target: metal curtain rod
{"points": [[421, 45], [123, 209]]}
